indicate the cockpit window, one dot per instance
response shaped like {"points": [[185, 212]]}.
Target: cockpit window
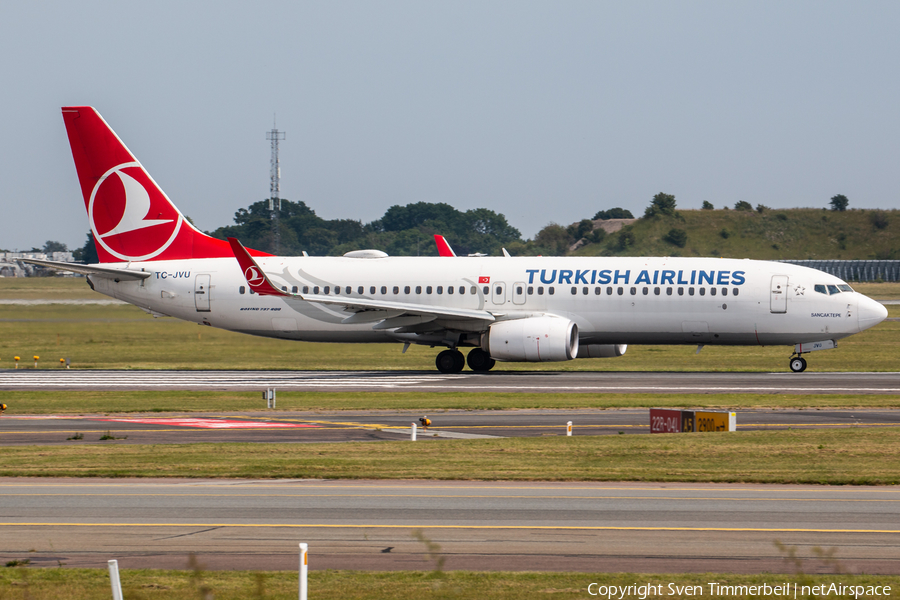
{"points": [[845, 288], [821, 289], [833, 289]]}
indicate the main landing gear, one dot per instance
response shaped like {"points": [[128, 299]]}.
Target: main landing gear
{"points": [[798, 364], [452, 361]]}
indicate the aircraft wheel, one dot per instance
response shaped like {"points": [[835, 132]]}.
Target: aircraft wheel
{"points": [[480, 361], [450, 361], [798, 365]]}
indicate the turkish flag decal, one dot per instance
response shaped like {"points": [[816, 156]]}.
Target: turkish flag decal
{"points": [[484, 280]]}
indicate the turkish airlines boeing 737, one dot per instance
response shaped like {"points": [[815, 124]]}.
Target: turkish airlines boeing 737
{"points": [[514, 309]]}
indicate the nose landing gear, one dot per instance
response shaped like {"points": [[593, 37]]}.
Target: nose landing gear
{"points": [[798, 364]]}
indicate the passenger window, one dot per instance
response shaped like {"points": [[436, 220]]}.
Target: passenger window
{"points": [[646, 290], [550, 290], [294, 289], [316, 290], [609, 291], [574, 290], [702, 291], [712, 291], [519, 290], [396, 289], [242, 289], [440, 289], [668, 291], [584, 291], [681, 291], [428, 289], [406, 290], [634, 291], [449, 289], [735, 291], [540, 291], [372, 290], [360, 290], [349, 290], [530, 290], [724, 291], [621, 291], [656, 291], [305, 289], [598, 291], [284, 288], [418, 289], [462, 290], [821, 289], [384, 290], [690, 291], [499, 290], [833, 289], [486, 290], [474, 290]]}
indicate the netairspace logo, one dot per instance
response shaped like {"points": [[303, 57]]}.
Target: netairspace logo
{"points": [[718, 590]]}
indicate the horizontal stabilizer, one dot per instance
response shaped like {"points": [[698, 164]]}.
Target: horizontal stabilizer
{"points": [[104, 272]]}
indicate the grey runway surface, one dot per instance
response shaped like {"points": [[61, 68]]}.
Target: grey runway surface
{"points": [[343, 426], [520, 381], [589, 527]]}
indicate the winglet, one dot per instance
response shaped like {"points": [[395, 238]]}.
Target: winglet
{"points": [[255, 276], [443, 247]]}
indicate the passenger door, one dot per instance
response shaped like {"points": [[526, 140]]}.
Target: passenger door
{"points": [[201, 293], [778, 295]]}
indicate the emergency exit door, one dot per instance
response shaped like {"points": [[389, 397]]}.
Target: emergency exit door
{"points": [[778, 295], [201, 293]]}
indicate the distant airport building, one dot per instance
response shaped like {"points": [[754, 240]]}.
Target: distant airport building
{"points": [[855, 270]]}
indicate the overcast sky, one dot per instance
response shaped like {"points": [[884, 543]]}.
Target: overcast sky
{"points": [[543, 111]]}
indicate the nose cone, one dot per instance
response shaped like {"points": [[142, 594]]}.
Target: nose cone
{"points": [[870, 312]]}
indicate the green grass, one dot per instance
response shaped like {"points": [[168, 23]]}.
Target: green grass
{"points": [[124, 337], [800, 233], [92, 402], [140, 584], [858, 456]]}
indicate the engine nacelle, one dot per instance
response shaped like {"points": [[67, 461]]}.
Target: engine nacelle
{"points": [[601, 350], [535, 339]]}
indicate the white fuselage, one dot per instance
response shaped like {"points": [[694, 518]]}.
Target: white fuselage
{"points": [[612, 300]]}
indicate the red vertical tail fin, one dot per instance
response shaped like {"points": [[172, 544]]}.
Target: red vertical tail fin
{"points": [[130, 216]]}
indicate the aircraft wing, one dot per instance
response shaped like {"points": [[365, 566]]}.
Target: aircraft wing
{"points": [[259, 282], [104, 272]]}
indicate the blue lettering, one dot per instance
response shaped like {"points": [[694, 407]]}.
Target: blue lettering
{"points": [[737, 278], [580, 277], [693, 274], [552, 276], [565, 276], [605, 276], [643, 277], [626, 276], [655, 277], [593, 276], [706, 276], [722, 279], [531, 273], [680, 282], [667, 277]]}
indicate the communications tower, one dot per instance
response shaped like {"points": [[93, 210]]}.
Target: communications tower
{"points": [[274, 136]]}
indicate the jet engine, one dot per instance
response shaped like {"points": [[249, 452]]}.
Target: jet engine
{"points": [[535, 339], [601, 350]]}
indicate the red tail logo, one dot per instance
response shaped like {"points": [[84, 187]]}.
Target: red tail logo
{"points": [[131, 217]]}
